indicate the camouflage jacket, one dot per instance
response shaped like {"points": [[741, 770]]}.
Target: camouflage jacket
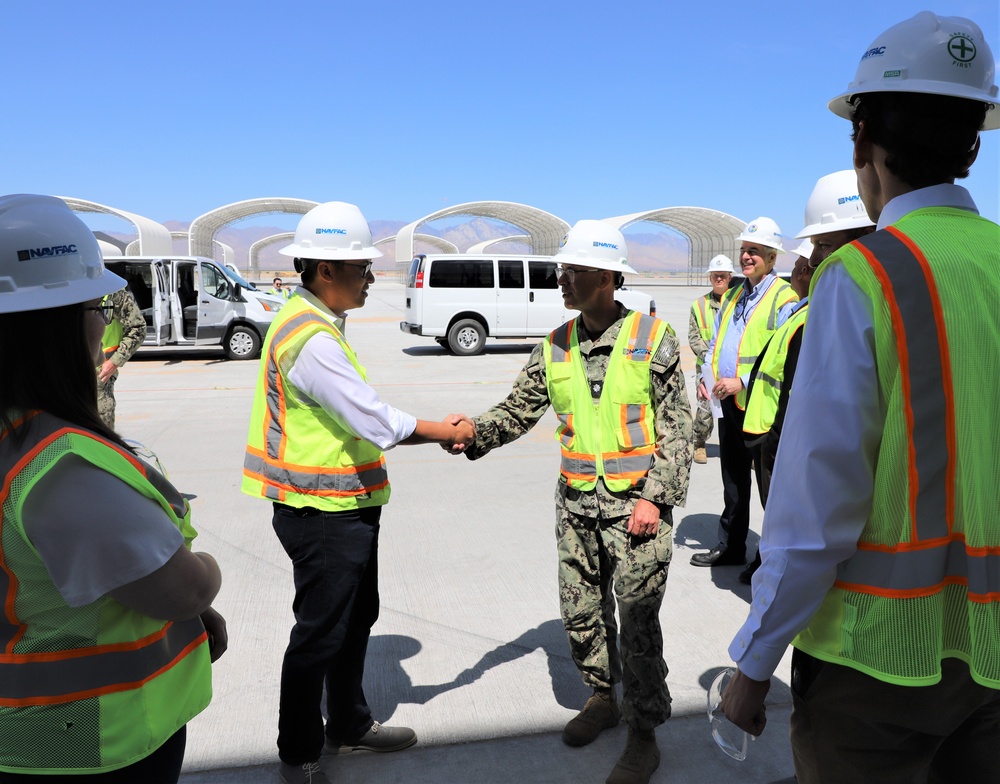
{"points": [[667, 481], [133, 325]]}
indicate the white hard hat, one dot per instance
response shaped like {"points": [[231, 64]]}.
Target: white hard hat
{"points": [[937, 55], [330, 232], [594, 244], [834, 205], [48, 256], [720, 263], [805, 249], [762, 231]]}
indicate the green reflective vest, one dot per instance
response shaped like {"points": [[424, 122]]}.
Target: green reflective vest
{"points": [[762, 407], [760, 326], [91, 688], [296, 453], [924, 583], [112, 334], [614, 438]]}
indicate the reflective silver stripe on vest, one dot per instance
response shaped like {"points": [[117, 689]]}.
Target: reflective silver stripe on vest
{"points": [[578, 465], [923, 570], [567, 432], [559, 340], [631, 464], [633, 423], [355, 481], [768, 379], [921, 345], [271, 373], [641, 351], [63, 680]]}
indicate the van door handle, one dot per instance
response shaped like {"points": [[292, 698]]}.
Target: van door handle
{"points": [[531, 296]]}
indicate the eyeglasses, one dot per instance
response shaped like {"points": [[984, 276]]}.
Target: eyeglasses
{"points": [[570, 272], [107, 311], [363, 269], [719, 277], [728, 737]]}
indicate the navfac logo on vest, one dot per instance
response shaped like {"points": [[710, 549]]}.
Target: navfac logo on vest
{"points": [[42, 253]]}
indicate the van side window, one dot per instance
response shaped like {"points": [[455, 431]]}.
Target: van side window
{"points": [[461, 274], [214, 282], [511, 274], [542, 275]]}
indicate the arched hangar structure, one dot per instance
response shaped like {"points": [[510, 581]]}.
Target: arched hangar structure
{"points": [[204, 228], [544, 230], [154, 238], [439, 243], [253, 254], [709, 233]]}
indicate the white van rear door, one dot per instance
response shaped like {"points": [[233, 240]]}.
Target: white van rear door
{"points": [[160, 305], [545, 303]]}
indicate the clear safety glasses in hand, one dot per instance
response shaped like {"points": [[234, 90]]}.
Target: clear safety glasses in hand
{"points": [[728, 737]]}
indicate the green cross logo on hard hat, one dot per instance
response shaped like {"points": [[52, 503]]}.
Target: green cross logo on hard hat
{"points": [[962, 48]]}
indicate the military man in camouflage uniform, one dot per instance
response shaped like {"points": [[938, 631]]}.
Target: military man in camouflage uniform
{"points": [[122, 338], [605, 536], [701, 330]]}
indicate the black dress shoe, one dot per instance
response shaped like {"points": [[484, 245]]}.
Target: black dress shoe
{"points": [[718, 556], [746, 576]]}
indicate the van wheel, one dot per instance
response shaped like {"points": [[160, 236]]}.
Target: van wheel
{"points": [[466, 337], [242, 343]]}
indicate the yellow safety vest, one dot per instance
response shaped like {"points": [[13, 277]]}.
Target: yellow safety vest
{"points": [[297, 454], [762, 407], [924, 583], [614, 438], [91, 688], [760, 326], [112, 334]]}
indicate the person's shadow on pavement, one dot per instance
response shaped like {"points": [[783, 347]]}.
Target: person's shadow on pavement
{"points": [[387, 684]]}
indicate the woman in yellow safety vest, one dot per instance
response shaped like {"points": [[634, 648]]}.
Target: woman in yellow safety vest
{"points": [[107, 631]]}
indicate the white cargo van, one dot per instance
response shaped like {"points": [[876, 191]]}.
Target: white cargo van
{"points": [[195, 301], [461, 299]]}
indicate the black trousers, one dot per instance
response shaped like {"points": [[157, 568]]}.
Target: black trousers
{"points": [[335, 568], [738, 462], [849, 727]]}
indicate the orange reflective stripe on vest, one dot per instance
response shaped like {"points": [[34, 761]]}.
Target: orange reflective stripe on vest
{"points": [[54, 677], [915, 568], [270, 464]]}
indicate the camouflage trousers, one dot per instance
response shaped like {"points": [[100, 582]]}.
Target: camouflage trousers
{"points": [[704, 423], [599, 562], [106, 400]]}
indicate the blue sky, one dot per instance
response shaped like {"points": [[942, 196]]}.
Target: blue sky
{"points": [[584, 109]]}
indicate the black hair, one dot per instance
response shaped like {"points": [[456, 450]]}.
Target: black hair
{"points": [[56, 373], [307, 270], [928, 139]]}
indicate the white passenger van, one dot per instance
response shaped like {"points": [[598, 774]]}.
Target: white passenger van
{"points": [[461, 299], [194, 301]]}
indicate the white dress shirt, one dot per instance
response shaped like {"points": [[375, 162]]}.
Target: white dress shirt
{"points": [[325, 377], [822, 488]]}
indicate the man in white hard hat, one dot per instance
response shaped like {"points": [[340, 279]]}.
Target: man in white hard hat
{"points": [[315, 450], [747, 318], [614, 378], [701, 330], [881, 548], [835, 216]]}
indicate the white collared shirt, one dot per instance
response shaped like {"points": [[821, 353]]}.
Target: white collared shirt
{"points": [[823, 481], [325, 377]]}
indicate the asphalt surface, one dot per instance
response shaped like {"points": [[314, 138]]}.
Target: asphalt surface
{"points": [[469, 649]]}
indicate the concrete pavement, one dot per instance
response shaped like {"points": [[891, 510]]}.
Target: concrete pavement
{"points": [[469, 649]]}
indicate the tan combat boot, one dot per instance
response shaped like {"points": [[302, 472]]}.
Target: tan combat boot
{"points": [[600, 713], [640, 758], [700, 455]]}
